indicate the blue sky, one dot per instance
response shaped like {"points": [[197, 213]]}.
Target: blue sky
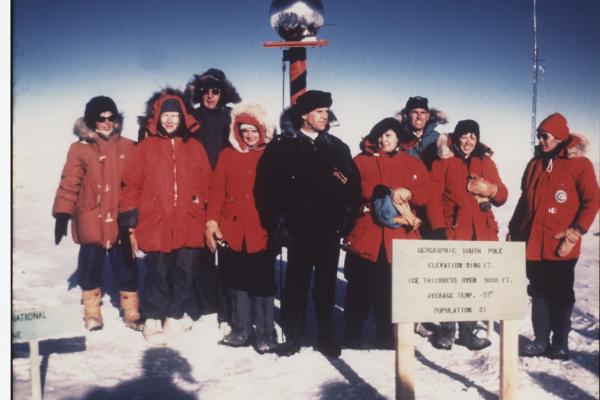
{"points": [[471, 58]]}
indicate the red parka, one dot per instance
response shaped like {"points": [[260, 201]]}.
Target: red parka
{"points": [[167, 181], [393, 170], [463, 216], [231, 202], [91, 183], [556, 195]]}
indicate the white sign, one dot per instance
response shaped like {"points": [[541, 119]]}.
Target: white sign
{"points": [[435, 281], [46, 323]]}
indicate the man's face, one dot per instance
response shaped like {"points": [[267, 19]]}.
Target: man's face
{"points": [[210, 97], [316, 120], [418, 117], [170, 121], [548, 141], [105, 123], [250, 135]]}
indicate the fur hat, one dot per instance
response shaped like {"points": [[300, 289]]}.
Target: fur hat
{"points": [[251, 114], [417, 102], [212, 78], [465, 126], [96, 106], [555, 124], [312, 100]]}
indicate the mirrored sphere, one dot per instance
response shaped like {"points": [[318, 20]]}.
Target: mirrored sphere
{"points": [[296, 20]]}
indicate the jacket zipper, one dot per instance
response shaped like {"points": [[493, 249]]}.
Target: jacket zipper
{"points": [[174, 173]]}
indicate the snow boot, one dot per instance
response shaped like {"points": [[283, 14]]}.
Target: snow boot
{"points": [[444, 337], [154, 333], [540, 319], [422, 331], [327, 346], [560, 320], [241, 333], [174, 327], [352, 337], [467, 337], [92, 315], [293, 332], [130, 307], [266, 336]]}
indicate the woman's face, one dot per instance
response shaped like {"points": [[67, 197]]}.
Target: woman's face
{"points": [[388, 142], [250, 135], [170, 121], [548, 141], [105, 123], [467, 143]]}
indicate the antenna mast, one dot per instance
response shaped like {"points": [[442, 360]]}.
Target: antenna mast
{"points": [[536, 68]]}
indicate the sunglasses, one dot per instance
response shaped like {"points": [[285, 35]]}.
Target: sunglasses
{"points": [[215, 91], [542, 136], [104, 119]]}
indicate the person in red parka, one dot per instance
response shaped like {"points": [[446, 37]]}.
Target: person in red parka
{"points": [[558, 203], [367, 266], [234, 222], [89, 194], [162, 206], [471, 185]]}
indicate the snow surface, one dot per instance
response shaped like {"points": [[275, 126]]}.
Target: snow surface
{"points": [[116, 362]]}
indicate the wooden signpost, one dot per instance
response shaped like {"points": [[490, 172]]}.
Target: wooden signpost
{"points": [[438, 281], [32, 325]]}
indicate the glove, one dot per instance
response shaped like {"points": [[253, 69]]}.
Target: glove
{"points": [[570, 237], [407, 217], [401, 195], [481, 187], [60, 227], [347, 225], [439, 234], [212, 233]]}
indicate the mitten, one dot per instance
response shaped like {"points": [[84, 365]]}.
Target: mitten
{"points": [[60, 227], [569, 240]]}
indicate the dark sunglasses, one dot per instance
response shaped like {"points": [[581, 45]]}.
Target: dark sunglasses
{"points": [[215, 91], [542, 136], [104, 119]]}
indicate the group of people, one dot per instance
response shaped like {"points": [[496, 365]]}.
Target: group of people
{"points": [[207, 179]]}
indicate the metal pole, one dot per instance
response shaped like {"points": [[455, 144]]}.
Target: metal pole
{"points": [[535, 79]]}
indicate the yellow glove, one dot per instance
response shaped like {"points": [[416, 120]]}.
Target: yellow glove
{"points": [[480, 187], [569, 240]]}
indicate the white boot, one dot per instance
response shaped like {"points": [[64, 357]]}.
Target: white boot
{"points": [[154, 332], [174, 327]]}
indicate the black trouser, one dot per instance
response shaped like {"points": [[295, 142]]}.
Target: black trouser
{"points": [[301, 261], [369, 286], [168, 282], [91, 262], [553, 281], [205, 296]]}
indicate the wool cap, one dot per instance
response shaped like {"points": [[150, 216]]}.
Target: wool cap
{"points": [[466, 126], [96, 106], [555, 124], [383, 126], [312, 100], [417, 102], [170, 105]]}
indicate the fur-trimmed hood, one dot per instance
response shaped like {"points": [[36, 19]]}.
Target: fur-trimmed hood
{"points": [[149, 121], [447, 149], [575, 146], [436, 117], [253, 114], [84, 133], [214, 78]]}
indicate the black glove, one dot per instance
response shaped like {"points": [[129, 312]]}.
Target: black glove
{"points": [[439, 234], [60, 228], [126, 248]]}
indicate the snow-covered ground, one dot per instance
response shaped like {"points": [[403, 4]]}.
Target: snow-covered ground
{"points": [[116, 363]]}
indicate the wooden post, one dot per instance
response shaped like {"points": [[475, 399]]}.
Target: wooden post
{"points": [[509, 352], [296, 56], [34, 367], [490, 328], [405, 361]]}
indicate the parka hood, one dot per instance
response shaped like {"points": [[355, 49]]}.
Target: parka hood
{"points": [[575, 146], [84, 133], [447, 149], [436, 117], [253, 114], [214, 78], [151, 118]]}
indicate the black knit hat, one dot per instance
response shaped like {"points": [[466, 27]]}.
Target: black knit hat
{"points": [[465, 126], [312, 100], [417, 102], [96, 106], [170, 105]]}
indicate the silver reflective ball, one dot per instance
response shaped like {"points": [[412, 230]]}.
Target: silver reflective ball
{"points": [[296, 20]]}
